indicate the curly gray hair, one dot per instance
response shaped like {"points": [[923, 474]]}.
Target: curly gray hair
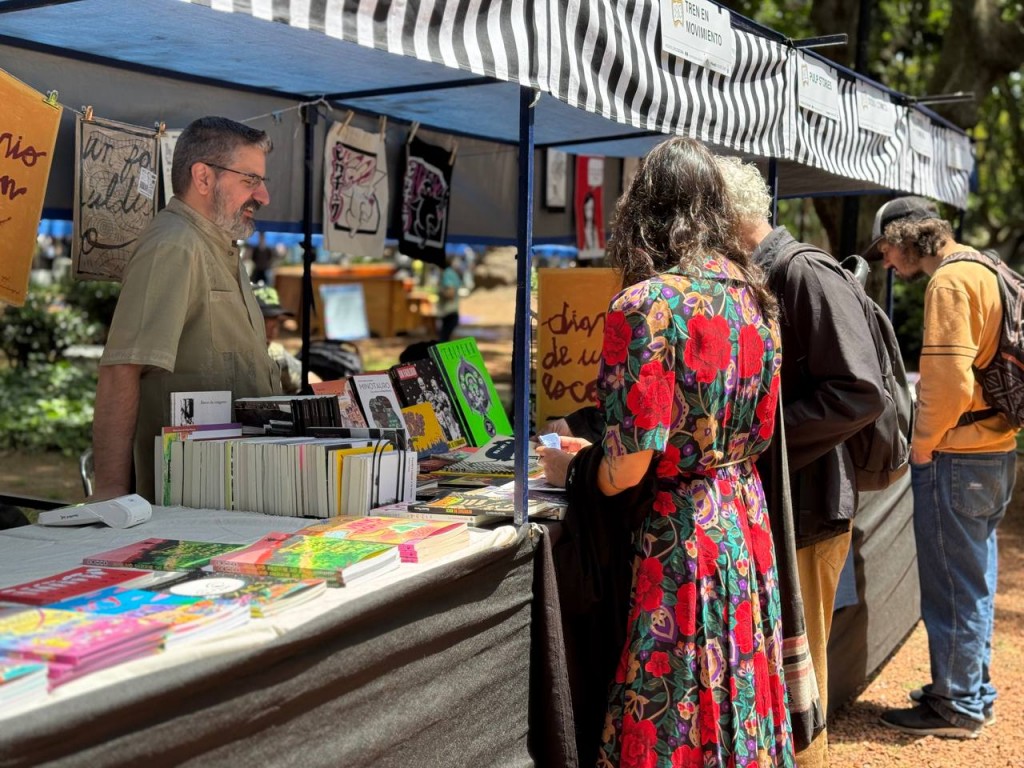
{"points": [[746, 189]]}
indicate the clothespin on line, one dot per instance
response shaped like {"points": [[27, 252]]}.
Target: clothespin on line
{"points": [[412, 132], [347, 120], [160, 126], [383, 123], [87, 114], [51, 98], [455, 151]]}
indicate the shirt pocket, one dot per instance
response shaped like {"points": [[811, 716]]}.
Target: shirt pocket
{"points": [[229, 320]]}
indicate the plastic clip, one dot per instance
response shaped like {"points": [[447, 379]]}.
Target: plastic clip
{"points": [[455, 151], [51, 98], [87, 114], [412, 131]]}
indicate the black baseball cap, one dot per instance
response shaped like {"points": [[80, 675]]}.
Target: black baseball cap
{"points": [[900, 209]]}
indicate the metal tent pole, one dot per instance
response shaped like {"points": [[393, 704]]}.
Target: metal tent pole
{"points": [[308, 254], [521, 332], [773, 186]]}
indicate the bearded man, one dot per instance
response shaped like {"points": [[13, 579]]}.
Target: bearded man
{"points": [[186, 319]]}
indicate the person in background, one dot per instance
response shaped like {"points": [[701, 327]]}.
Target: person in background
{"points": [[186, 319], [831, 389], [448, 297], [273, 315], [688, 386], [963, 467], [262, 260]]}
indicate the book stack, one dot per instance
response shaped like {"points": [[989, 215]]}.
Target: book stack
{"points": [[22, 684], [289, 555], [188, 619], [418, 541], [477, 506], [265, 597], [162, 555], [286, 415], [73, 643]]}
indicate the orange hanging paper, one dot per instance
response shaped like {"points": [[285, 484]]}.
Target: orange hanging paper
{"points": [[28, 132]]}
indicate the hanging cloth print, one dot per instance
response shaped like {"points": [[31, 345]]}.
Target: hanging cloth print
{"points": [[355, 192], [426, 187]]}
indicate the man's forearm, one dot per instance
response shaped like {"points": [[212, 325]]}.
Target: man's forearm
{"points": [[113, 428]]}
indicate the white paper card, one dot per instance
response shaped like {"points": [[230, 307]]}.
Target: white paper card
{"points": [[961, 153], [921, 134], [818, 90], [699, 31], [875, 112]]}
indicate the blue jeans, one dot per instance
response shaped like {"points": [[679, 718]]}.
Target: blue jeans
{"points": [[959, 499]]}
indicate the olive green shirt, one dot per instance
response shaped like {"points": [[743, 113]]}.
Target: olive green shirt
{"points": [[187, 313]]}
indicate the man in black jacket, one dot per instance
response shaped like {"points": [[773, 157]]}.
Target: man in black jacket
{"points": [[831, 389]]}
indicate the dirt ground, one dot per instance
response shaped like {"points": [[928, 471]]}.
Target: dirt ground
{"points": [[858, 740]]}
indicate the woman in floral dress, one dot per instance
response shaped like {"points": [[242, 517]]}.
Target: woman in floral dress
{"points": [[689, 385]]}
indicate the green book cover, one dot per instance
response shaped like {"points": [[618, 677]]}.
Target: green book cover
{"points": [[472, 390], [321, 557], [181, 555]]}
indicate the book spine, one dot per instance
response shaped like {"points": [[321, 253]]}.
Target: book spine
{"points": [[453, 394]]}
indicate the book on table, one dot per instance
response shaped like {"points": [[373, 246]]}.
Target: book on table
{"points": [[206, 407], [417, 540], [425, 431], [74, 643], [162, 554], [495, 457], [265, 596], [420, 381], [67, 584], [471, 389], [22, 683], [348, 406], [404, 511], [187, 618], [492, 500], [377, 400], [338, 561]]}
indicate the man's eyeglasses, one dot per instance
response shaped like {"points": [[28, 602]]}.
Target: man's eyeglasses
{"points": [[251, 180]]}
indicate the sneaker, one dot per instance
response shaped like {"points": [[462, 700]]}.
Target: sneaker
{"points": [[922, 720], [917, 695]]}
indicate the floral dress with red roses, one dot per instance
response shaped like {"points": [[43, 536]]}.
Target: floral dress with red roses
{"points": [[690, 370]]}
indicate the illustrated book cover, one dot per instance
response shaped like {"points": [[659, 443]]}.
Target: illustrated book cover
{"points": [[351, 416], [264, 596], [417, 540], [378, 400], [480, 410], [424, 429], [421, 382], [162, 554]]}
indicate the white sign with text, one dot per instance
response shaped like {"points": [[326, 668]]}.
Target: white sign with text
{"points": [[818, 90], [874, 111], [921, 134], [699, 31]]}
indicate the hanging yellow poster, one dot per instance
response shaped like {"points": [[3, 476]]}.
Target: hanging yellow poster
{"points": [[28, 132], [571, 304]]}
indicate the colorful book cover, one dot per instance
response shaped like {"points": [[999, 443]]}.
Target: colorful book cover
{"points": [[415, 539], [496, 457], [378, 400], [424, 429], [480, 410], [351, 416], [326, 558], [12, 669], [62, 586], [116, 601], [72, 637], [162, 554], [492, 501], [264, 596], [421, 382], [247, 561]]}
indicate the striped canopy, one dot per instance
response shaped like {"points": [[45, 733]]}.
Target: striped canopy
{"points": [[610, 88]]}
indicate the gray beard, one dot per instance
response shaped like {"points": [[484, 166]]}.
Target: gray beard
{"points": [[238, 227]]}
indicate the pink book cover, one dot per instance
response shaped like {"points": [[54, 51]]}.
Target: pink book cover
{"points": [[351, 416], [247, 561], [123, 555], [71, 637], [405, 533], [62, 586]]}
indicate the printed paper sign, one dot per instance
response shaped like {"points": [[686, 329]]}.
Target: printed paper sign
{"points": [[875, 112], [112, 205], [355, 192], [921, 134], [589, 206], [571, 306], [168, 140], [426, 189], [698, 31], [28, 132], [961, 153], [818, 89]]}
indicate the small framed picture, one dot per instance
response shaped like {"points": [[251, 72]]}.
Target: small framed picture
{"points": [[556, 179]]}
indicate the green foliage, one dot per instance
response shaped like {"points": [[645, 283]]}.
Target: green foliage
{"points": [[908, 319], [43, 328], [95, 299], [47, 407]]}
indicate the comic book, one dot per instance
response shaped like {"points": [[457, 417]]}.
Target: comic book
{"points": [[480, 410]]}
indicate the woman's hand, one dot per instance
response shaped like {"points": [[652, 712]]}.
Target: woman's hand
{"points": [[555, 461]]}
